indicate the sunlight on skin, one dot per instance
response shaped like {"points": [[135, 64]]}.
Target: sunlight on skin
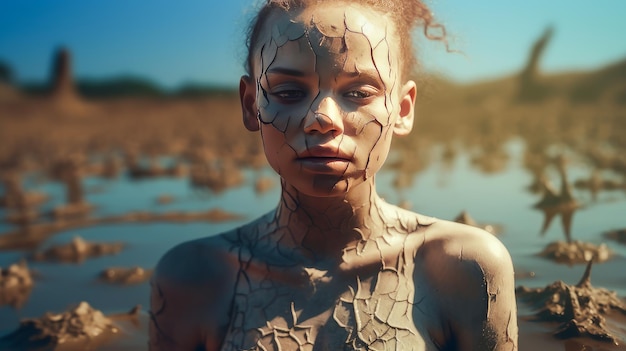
{"points": [[334, 267], [332, 62]]}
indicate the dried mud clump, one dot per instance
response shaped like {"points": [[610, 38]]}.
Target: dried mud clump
{"points": [[16, 283], [123, 275], [23, 216], [212, 215], [216, 176], [21, 205], [154, 169], [15, 197], [164, 199], [72, 211], [77, 251], [465, 218], [76, 328], [618, 235], [70, 170], [263, 184], [596, 183], [576, 252], [580, 309]]}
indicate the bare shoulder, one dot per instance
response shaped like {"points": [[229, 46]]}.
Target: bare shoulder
{"points": [[472, 274], [191, 292], [197, 262], [457, 242]]}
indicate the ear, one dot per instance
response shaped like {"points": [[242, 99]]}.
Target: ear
{"points": [[247, 97], [404, 122]]}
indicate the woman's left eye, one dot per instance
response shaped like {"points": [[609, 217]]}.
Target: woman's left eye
{"points": [[359, 94]]}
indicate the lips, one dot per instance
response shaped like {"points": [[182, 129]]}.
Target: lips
{"points": [[324, 152], [320, 159]]}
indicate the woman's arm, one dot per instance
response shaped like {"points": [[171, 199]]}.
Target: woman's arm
{"points": [[170, 327], [191, 292], [487, 282], [473, 273]]}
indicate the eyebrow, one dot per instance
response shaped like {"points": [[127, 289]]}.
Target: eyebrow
{"points": [[286, 71], [368, 74]]}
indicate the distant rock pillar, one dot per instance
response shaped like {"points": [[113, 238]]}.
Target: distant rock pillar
{"points": [[74, 185], [63, 94], [529, 87], [68, 170], [61, 80]]}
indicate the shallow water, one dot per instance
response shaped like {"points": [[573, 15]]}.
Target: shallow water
{"points": [[442, 190]]}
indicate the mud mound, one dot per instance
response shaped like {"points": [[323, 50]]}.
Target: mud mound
{"points": [[579, 309], [75, 329]]}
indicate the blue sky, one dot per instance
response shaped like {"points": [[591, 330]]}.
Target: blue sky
{"points": [[177, 42]]}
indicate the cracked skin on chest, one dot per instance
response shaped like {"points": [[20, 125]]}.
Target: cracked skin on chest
{"points": [[370, 311]]}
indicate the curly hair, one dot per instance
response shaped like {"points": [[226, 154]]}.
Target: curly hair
{"points": [[407, 15]]}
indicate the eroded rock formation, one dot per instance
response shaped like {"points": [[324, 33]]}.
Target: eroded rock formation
{"points": [[77, 251], [579, 309], [618, 235], [576, 252], [123, 275], [529, 86], [79, 328], [465, 218], [16, 283]]}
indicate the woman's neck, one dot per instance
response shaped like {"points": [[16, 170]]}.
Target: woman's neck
{"points": [[326, 226]]}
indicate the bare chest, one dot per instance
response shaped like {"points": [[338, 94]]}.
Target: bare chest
{"points": [[372, 312]]}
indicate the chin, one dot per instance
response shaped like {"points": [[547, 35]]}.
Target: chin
{"points": [[328, 186], [331, 189]]}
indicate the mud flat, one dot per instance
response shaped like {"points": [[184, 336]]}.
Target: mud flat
{"points": [[580, 311], [79, 328]]}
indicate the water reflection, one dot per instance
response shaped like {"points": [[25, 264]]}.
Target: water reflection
{"points": [[561, 203]]}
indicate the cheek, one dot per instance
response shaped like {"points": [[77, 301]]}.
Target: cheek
{"points": [[276, 148], [282, 117], [370, 120], [375, 136], [272, 139], [375, 140]]}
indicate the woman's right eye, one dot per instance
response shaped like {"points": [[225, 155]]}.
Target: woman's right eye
{"points": [[289, 95]]}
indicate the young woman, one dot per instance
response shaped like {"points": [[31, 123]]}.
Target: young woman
{"points": [[333, 266]]}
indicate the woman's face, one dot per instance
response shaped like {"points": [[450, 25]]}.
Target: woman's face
{"points": [[328, 95]]}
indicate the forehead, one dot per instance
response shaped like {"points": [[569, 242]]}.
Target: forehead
{"points": [[330, 29], [335, 19]]}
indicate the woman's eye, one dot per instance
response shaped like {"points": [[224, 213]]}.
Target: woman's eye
{"points": [[359, 94], [289, 95]]}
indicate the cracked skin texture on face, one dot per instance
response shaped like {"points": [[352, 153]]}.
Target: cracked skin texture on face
{"points": [[333, 267], [322, 96]]}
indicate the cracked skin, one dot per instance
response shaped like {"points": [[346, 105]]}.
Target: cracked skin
{"points": [[333, 266], [427, 294]]}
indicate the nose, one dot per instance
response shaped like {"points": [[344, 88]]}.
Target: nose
{"points": [[325, 118]]}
